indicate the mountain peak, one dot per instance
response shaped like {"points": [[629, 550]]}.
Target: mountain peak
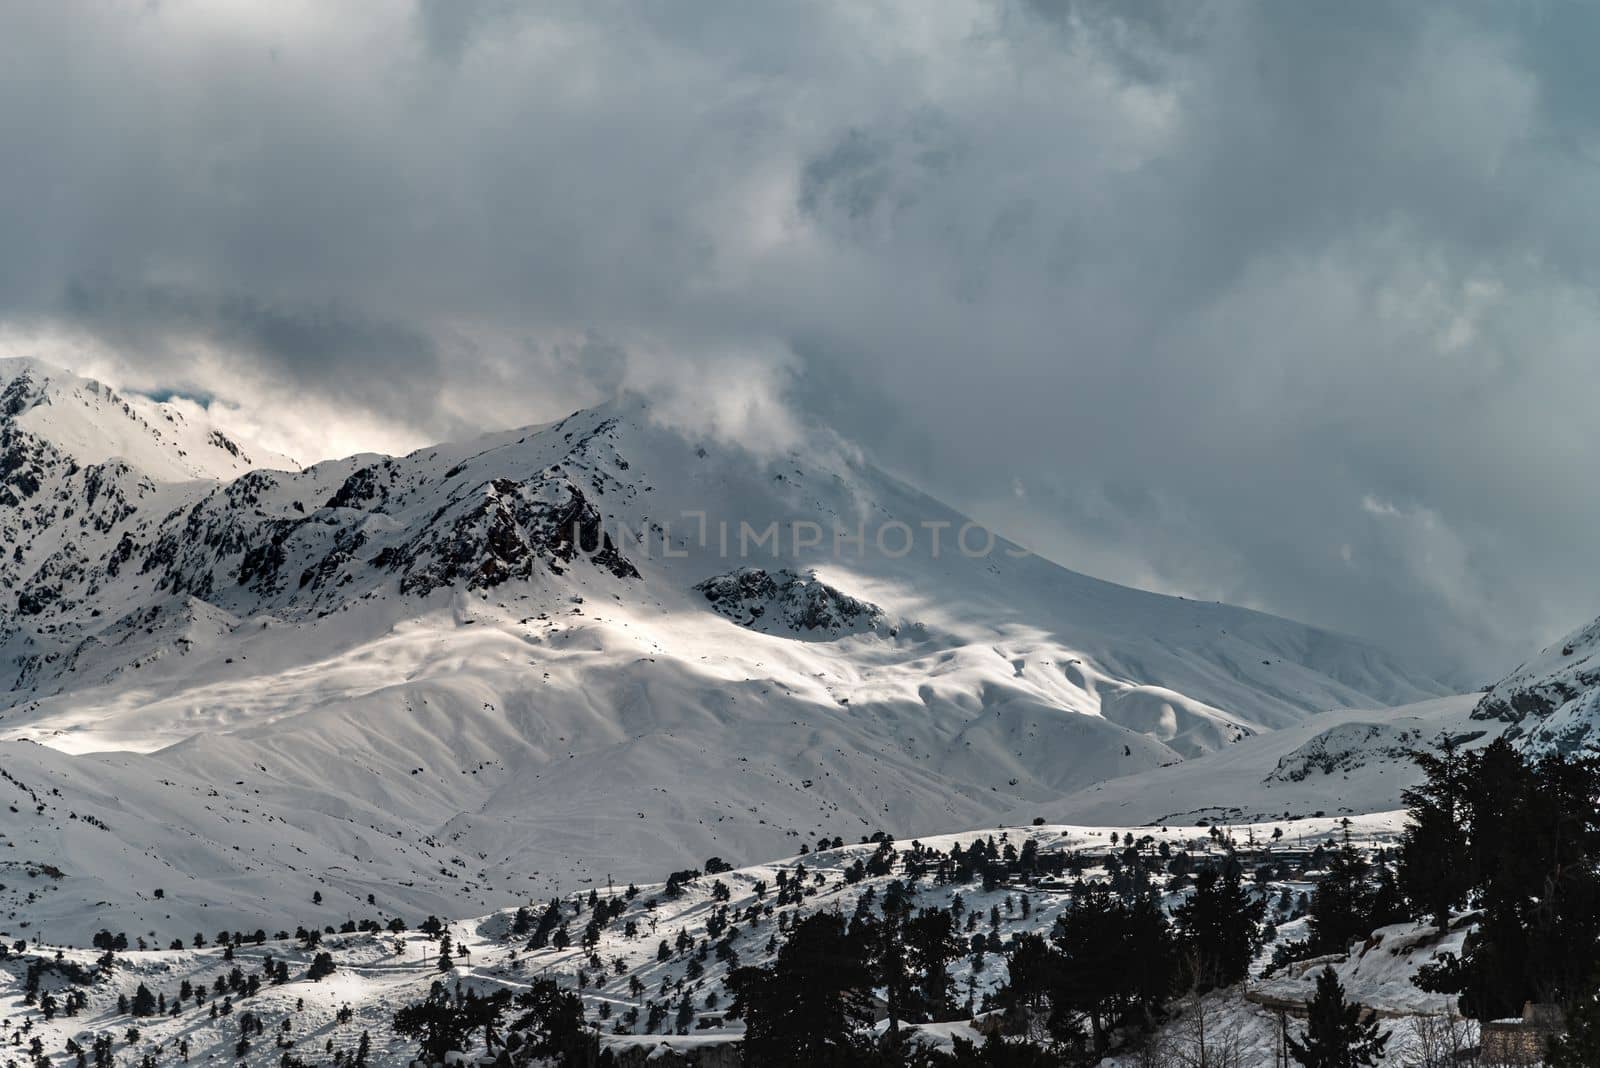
{"points": [[88, 423]]}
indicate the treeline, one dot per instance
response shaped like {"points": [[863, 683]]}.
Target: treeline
{"points": [[1506, 844], [1111, 964], [1105, 974]]}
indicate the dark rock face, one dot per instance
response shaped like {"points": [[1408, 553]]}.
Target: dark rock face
{"points": [[780, 601], [1538, 700], [227, 445], [25, 463], [367, 490], [501, 531], [20, 394]]}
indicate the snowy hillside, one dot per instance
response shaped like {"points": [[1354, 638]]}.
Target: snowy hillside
{"points": [[655, 979], [91, 425], [506, 666], [1337, 764], [1553, 700]]}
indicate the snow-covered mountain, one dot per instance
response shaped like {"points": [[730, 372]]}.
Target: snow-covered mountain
{"points": [[1553, 700], [493, 668]]}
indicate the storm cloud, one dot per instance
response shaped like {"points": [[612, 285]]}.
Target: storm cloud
{"points": [[1291, 305]]}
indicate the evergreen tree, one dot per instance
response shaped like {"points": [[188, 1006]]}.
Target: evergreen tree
{"points": [[1533, 870], [435, 1023], [1337, 1035], [1113, 963], [887, 957], [1030, 967], [809, 1006], [1434, 860], [932, 944], [482, 1013], [1341, 905], [1221, 925], [551, 1028]]}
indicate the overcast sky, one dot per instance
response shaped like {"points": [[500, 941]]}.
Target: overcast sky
{"points": [[1286, 304]]}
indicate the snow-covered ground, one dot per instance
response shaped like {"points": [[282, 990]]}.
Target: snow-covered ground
{"points": [[1336, 764], [378, 972]]}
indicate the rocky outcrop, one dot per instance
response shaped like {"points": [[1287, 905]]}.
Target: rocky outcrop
{"points": [[86, 544], [784, 602], [1345, 748], [666, 1054], [1552, 701]]}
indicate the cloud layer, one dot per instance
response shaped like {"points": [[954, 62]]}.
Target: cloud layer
{"points": [[1285, 304]]}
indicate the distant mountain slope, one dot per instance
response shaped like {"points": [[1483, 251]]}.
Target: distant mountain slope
{"points": [[548, 651], [1553, 700], [1341, 763], [91, 424]]}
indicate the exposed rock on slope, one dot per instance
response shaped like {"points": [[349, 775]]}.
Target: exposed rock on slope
{"points": [[1346, 748], [1553, 700], [782, 602]]}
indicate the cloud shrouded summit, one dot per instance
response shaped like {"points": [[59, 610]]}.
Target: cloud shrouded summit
{"points": [[1289, 305]]}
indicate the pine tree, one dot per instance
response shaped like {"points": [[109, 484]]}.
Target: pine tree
{"points": [[807, 1007], [445, 961], [1221, 925], [932, 944], [1111, 963], [1434, 869], [1337, 1035], [436, 1023], [1341, 905], [551, 1026]]}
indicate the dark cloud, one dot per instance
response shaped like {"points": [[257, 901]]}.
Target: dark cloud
{"points": [[326, 346], [1287, 304], [450, 27]]}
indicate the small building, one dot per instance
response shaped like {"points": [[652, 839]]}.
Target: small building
{"points": [[1520, 1041]]}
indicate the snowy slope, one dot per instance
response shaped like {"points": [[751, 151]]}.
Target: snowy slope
{"points": [[504, 666], [93, 424], [377, 972], [1553, 700], [1339, 763]]}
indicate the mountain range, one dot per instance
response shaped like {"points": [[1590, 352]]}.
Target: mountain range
{"points": [[553, 656]]}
